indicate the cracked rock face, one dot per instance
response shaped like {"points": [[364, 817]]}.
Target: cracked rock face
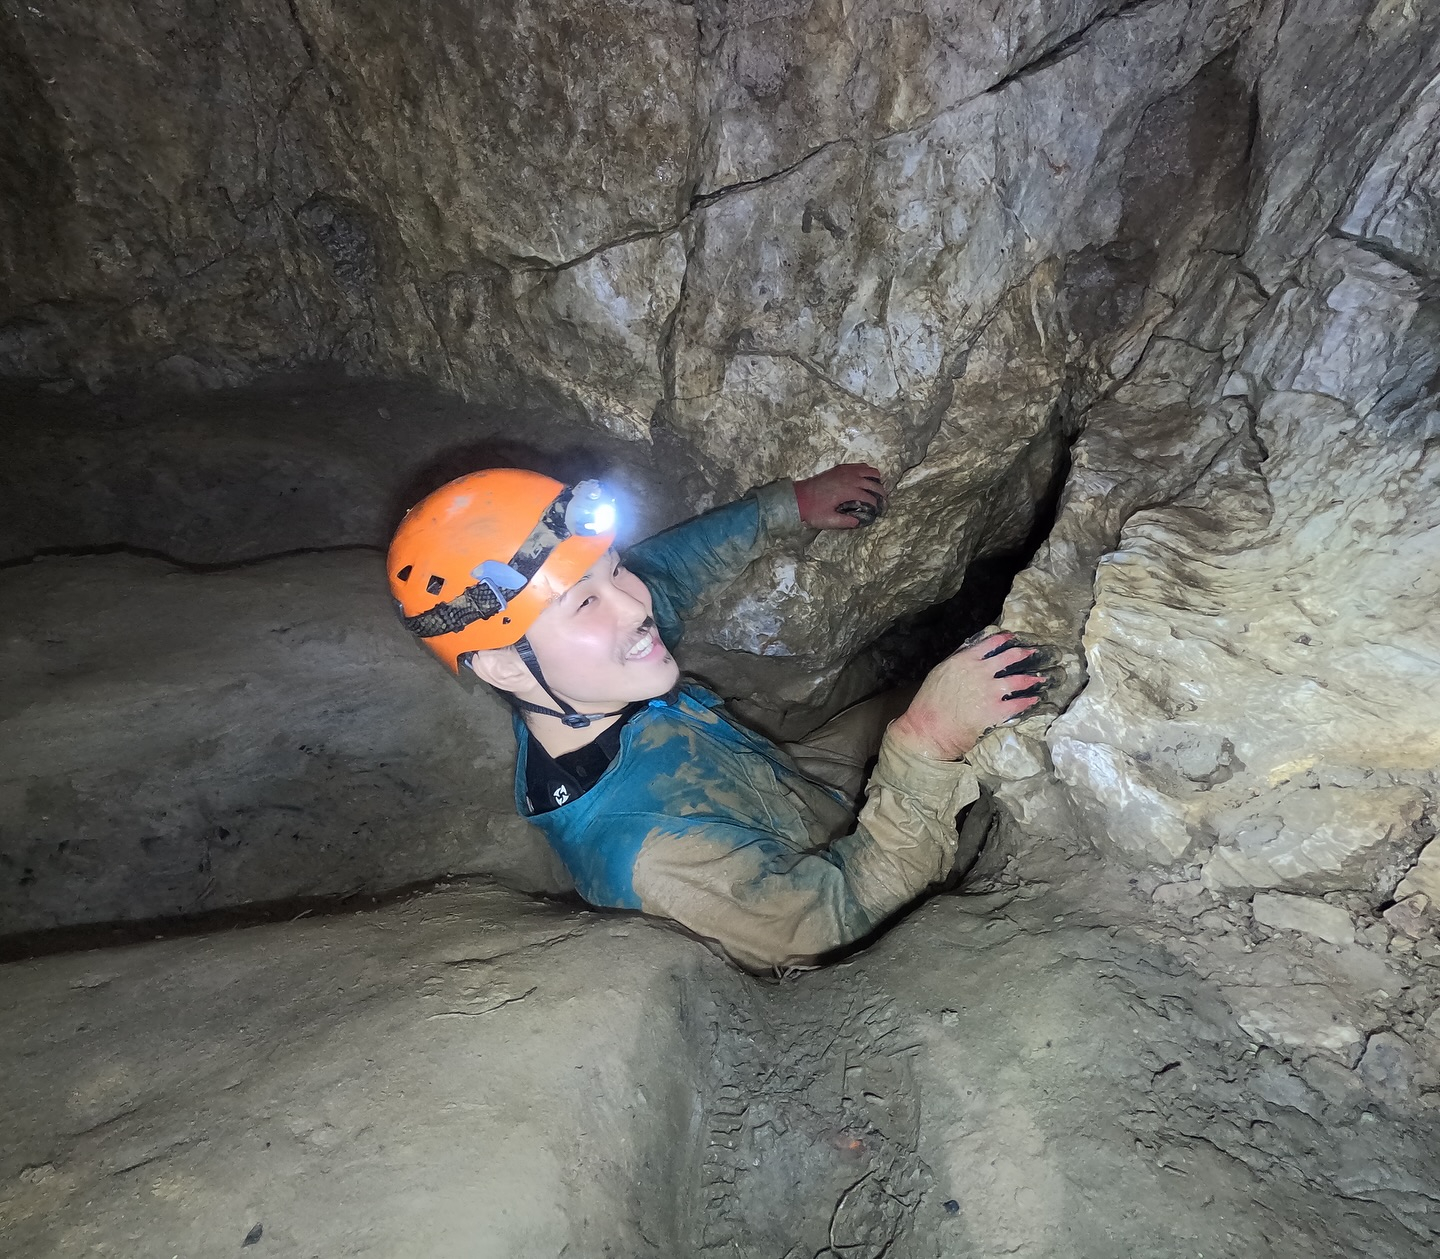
{"points": [[1259, 641], [1182, 252], [784, 233], [1173, 265]]}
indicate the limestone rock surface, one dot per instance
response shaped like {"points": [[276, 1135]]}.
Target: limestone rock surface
{"points": [[1241, 581], [1049, 1072], [179, 742], [783, 234], [305, 462], [463, 1074], [1423, 878], [1169, 265], [1302, 913]]}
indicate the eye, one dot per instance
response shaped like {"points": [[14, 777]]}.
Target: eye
{"points": [[584, 603]]}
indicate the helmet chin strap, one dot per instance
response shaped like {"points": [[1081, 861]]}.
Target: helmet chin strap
{"points": [[576, 721]]}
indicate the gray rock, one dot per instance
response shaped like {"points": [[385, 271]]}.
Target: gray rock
{"points": [[1302, 1016], [1412, 916], [306, 462], [786, 234], [183, 741], [1423, 878], [423, 1079], [1185, 897], [276, 1074], [1389, 1063], [1305, 914]]}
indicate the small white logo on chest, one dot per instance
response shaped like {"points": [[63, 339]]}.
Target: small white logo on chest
{"points": [[561, 795]]}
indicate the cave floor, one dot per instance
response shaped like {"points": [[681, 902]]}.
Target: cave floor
{"points": [[1052, 1068]]}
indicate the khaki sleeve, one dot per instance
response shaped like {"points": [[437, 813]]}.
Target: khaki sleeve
{"points": [[911, 803], [769, 903], [779, 508]]}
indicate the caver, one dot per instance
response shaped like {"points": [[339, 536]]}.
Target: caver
{"points": [[652, 795]]}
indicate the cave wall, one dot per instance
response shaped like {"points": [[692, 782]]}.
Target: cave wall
{"points": [[1243, 571], [179, 742], [1180, 254], [785, 234]]}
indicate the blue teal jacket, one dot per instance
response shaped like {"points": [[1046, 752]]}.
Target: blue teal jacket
{"points": [[703, 821]]}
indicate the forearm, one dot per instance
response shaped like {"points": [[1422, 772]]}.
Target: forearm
{"points": [[905, 838], [769, 903], [684, 563]]}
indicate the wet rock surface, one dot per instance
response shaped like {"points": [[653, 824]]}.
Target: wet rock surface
{"points": [[179, 741], [1047, 1068]]}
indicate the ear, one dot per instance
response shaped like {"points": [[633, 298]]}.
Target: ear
{"points": [[502, 668]]}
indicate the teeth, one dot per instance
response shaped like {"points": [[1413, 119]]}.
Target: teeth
{"points": [[641, 647]]}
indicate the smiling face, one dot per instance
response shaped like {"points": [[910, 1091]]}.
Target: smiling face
{"points": [[598, 644]]}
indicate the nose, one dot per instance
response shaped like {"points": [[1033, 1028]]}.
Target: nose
{"points": [[631, 607]]}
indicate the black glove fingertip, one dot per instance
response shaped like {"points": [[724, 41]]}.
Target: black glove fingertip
{"points": [[864, 513], [1036, 689]]}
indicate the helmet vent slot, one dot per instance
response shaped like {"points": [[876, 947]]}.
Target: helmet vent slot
{"points": [[404, 573], [434, 585]]}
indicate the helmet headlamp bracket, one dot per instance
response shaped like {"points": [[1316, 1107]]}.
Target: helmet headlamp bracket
{"points": [[585, 509]]}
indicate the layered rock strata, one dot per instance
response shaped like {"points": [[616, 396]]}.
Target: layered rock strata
{"points": [[1048, 1071], [787, 234], [178, 742]]}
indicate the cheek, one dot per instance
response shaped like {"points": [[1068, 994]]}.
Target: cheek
{"points": [[631, 585], [574, 650]]}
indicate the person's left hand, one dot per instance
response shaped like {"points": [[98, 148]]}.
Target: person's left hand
{"points": [[821, 496]]}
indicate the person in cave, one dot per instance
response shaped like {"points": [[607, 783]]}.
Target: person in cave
{"points": [[653, 797]]}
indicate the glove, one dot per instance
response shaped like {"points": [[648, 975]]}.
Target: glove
{"points": [[845, 497]]}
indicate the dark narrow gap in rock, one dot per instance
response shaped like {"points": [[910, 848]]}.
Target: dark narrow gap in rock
{"points": [[908, 650], [102, 935]]}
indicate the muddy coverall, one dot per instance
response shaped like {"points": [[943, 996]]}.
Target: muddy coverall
{"points": [[707, 823]]}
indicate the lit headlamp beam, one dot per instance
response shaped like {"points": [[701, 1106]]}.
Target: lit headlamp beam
{"points": [[591, 509]]}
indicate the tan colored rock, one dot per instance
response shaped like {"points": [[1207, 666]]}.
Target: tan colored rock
{"points": [[874, 301], [317, 1077], [597, 328], [788, 234], [1304, 914], [1301, 1016], [1315, 838], [1413, 917], [1424, 876], [1289, 713], [314, 181], [180, 742], [475, 1073]]}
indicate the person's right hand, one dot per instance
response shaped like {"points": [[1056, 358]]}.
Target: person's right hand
{"points": [[962, 698]]}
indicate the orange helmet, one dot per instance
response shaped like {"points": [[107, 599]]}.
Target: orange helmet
{"points": [[476, 562]]}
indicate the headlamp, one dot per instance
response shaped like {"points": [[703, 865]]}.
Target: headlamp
{"points": [[591, 509]]}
